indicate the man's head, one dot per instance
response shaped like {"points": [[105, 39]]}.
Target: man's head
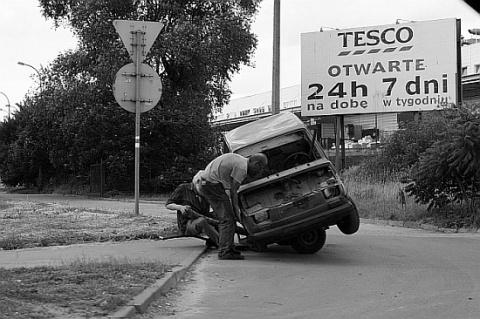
{"points": [[256, 163], [197, 182]]}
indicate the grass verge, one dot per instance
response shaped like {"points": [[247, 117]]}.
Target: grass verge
{"points": [[84, 288], [26, 225]]}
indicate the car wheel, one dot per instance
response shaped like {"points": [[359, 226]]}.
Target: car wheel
{"points": [[309, 242], [350, 224]]}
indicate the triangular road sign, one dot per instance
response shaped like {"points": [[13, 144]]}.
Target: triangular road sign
{"points": [[127, 29]]}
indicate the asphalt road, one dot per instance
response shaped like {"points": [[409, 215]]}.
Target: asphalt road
{"points": [[380, 272]]}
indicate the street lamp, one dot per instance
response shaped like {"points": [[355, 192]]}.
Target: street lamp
{"points": [[8, 103], [38, 73]]}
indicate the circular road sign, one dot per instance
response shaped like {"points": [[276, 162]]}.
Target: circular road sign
{"points": [[124, 87]]}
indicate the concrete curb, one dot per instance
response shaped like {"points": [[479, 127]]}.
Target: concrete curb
{"points": [[141, 302]]}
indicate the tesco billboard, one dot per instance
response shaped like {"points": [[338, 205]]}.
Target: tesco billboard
{"points": [[391, 68]]}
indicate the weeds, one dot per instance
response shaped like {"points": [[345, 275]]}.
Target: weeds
{"points": [[386, 199]]}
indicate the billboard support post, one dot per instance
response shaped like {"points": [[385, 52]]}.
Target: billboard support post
{"points": [[339, 142], [342, 136]]}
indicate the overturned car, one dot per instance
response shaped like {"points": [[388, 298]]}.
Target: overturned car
{"points": [[298, 196]]}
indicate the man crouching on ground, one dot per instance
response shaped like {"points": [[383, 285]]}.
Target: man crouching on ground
{"points": [[193, 213]]}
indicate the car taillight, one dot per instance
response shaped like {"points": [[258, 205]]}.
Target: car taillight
{"points": [[260, 216], [327, 193], [332, 191]]}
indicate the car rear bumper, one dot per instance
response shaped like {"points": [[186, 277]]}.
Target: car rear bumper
{"points": [[314, 220]]}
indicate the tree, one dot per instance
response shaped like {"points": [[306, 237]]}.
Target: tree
{"points": [[200, 47], [23, 151]]}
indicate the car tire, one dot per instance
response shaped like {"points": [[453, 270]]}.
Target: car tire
{"points": [[309, 242], [350, 224]]}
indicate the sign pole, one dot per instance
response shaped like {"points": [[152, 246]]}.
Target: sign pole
{"points": [[147, 88], [137, 121]]}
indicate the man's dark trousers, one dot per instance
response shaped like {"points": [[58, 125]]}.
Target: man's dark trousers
{"points": [[222, 206]]}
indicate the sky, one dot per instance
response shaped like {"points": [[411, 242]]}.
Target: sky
{"points": [[26, 36]]}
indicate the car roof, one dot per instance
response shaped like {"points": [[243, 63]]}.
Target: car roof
{"points": [[262, 129]]}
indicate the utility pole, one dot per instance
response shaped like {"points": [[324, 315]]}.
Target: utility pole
{"points": [[276, 59]]}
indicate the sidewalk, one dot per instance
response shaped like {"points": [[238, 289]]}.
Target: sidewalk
{"points": [[180, 253]]}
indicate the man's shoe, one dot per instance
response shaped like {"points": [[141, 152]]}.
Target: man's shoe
{"points": [[231, 256]]}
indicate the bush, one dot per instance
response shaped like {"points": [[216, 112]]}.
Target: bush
{"points": [[448, 171]]}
